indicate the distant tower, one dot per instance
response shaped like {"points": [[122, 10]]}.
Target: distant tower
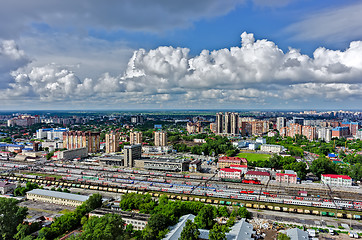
{"points": [[112, 142], [135, 138], [160, 138], [219, 122]]}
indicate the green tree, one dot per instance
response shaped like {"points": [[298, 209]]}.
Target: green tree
{"points": [[243, 212], [322, 165], [282, 236], [94, 201], [11, 216], [108, 227], [217, 232], [223, 211], [190, 231], [205, 218]]}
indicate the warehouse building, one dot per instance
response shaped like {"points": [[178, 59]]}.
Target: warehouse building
{"points": [[55, 197]]}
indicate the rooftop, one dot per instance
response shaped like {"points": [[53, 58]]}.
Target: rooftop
{"points": [[258, 173], [336, 176], [62, 195], [229, 170]]}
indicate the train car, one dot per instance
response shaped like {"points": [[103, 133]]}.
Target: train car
{"points": [[251, 181]]}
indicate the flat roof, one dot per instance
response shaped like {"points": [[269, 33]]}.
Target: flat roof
{"points": [[57, 194]]}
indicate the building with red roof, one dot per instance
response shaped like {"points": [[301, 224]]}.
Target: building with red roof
{"points": [[259, 175], [243, 168], [224, 162], [334, 179], [230, 173], [286, 178]]}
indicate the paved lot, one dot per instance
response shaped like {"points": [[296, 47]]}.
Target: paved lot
{"points": [[37, 209]]}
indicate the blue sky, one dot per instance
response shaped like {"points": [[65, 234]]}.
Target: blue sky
{"points": [[137, 54]]}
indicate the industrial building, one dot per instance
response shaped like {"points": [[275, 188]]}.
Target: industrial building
{"points": [[55, 197]]}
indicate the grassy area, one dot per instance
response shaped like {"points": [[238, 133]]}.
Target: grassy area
{"points": [[254, 156]]}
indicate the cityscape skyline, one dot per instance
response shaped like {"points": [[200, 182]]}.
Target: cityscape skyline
{"points": [[135, 55]]}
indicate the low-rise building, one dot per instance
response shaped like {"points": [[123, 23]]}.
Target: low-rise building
{"points": [[286, 178], [258, 175], [195, 166], [55, 197], [138, 220], [224, 162], [334, 179], [71, 154], [243, 168], [6, 187], [271, 148], [297, 234], [163, 164], [230, 174]]}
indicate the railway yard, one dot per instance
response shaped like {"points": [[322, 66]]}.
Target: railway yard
{"points": [[205, 187]]}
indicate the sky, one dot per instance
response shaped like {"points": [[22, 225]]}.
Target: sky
{"points": [[172, 54]]}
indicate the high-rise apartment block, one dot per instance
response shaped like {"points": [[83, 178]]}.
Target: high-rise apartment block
{"points": [[79, 139], [227, 123], [135, 138], [281, 122], [131, 153], [112, 142], [219, 123], [160, 138]]}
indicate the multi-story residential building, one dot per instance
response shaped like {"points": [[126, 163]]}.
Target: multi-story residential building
{"points": [[293, 129], [227, 123], [50, 133], [258, 175], [309, 132], [193, 127], [219, 123], [131, 153], [340, 132], [23, 121], [160, 138], [281, 122], [224, 162], [286, 178], [112, 142], [135, 138], [325, 133], [334, 179], [79, 139], [352, 127]]}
